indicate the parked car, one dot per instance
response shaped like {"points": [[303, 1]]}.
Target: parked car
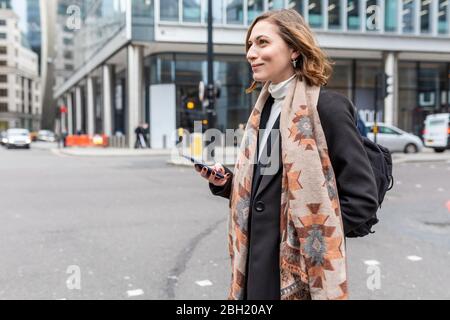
{"points": [[18, 138], [395, 139], [436, 134], [46, 136], [3, 138]]}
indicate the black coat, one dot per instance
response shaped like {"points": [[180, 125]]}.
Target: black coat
{"points": [[355, 182]]}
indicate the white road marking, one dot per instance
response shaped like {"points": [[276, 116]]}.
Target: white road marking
{"points": [[204, 283], [371, 262], [418, 186], [135, 293], [414, 258], [399, 182], [441, 189]]}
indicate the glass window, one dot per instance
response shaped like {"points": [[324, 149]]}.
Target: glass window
{"points": [[342, 77], [365, 83], [334, 14], [162, 69], [425, 16], [235, 11], [384, 130], [432, 84], [390, 15], [255, 8], [217, 11], [297, 5], [191, 11], [68, 41], [353, 16], [143, 9], [387, 130], [68, 55], [408, 13], [372, 15], [276, 4], [443, 17], [169, 10], [315, 14], [189, 68]]}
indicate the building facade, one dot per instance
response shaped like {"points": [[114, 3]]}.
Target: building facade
{"points": [[34, 34], [20, 102], [142, 61]]}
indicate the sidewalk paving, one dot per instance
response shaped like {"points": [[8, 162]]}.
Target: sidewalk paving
{"points": [[226, 156], [428, 155], [110, 152]]}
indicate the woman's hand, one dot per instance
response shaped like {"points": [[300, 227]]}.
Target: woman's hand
{"points": [[212, 177]]}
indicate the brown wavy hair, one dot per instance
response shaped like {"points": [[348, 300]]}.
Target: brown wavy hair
{"points": [[313, 65]]}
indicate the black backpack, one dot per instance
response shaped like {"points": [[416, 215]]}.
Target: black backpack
{"points": [[380, 159]]}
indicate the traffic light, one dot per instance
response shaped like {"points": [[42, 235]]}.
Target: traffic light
{"points": [[211, 92], [385, 85], [190, 105]]}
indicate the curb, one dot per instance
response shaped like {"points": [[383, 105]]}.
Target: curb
{"points": [[108, 153], [185, 163], [418, 160]]}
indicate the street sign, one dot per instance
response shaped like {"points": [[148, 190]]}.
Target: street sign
{"points": [[63, 109]]}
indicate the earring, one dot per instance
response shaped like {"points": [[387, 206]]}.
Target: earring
{"points": [[294, 64]]}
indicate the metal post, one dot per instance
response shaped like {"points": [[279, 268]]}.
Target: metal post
{"points": [[211, 99], [375, 120], [211, 86]]}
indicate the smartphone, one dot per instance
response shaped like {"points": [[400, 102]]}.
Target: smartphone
{"points": [[202, 165]]}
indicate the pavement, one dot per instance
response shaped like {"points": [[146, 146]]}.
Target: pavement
{"points": [[134, 227], [226, 156]]}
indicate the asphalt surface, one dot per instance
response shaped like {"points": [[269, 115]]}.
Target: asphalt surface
{"points": [[137, 228]]}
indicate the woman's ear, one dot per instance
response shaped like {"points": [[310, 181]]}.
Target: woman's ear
{"points": [[295, 55]]}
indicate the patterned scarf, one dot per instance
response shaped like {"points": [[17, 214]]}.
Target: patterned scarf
{"points": [[312, 248]]}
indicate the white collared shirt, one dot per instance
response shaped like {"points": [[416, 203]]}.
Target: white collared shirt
{"points": [[278, 92]]}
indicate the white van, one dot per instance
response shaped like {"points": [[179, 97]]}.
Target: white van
{"points": [[437, 132]]}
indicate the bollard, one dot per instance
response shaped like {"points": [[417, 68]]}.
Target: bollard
{"points": [[197, 145]]}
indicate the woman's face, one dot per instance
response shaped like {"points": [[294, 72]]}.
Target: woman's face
{"points": [[269, 55]]}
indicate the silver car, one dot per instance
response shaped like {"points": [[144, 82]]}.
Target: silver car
{"points": [[46, 136], [18, 138], [395, 139]]}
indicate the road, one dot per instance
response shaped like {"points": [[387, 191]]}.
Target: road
{"points": [[137, 228]]}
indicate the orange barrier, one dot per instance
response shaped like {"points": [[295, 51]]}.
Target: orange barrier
{"points": [[87, 141]]}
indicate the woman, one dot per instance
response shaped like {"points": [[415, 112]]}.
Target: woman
{"points": [[286, 230]]}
